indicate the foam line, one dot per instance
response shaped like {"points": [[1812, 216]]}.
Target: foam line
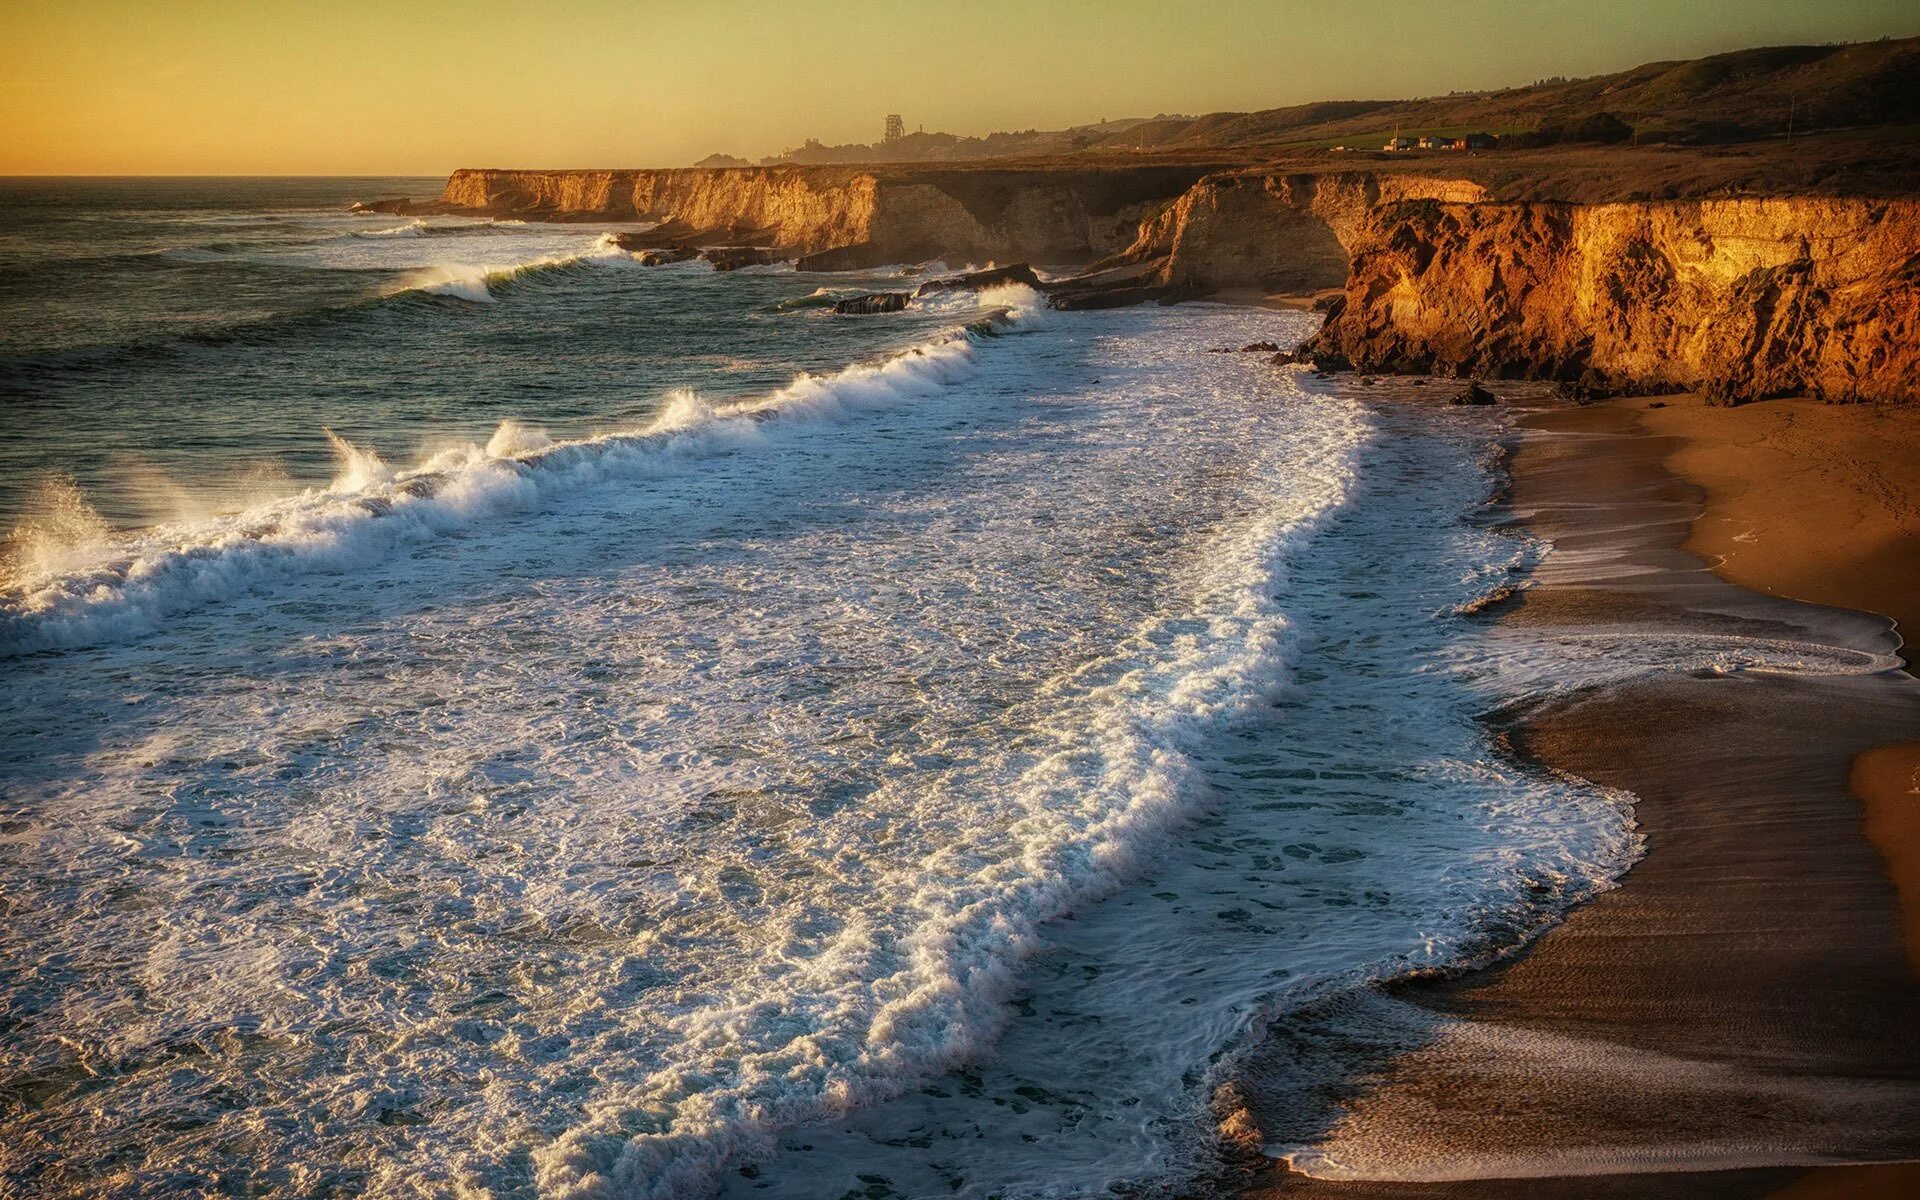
{"points": [[129, 587]]}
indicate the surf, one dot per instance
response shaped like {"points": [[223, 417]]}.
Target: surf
{"points": [[106, 588]]}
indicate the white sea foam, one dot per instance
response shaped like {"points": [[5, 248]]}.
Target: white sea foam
{"points": [[927, 687], [101, 588]]}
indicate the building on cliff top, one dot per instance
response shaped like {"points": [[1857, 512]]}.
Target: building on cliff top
{"points": [[1477, 141], [896, 128]]}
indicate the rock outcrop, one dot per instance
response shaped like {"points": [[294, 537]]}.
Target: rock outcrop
{"points": [[1743, 299], [732, 258], [873, 302], [980, 281], [1284, 232]]}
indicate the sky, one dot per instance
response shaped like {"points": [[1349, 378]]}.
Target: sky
{"points": [[402, 87]]}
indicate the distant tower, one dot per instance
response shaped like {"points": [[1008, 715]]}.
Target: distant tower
{"points": [[896, 128]]}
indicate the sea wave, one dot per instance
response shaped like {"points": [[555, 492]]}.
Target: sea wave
{"points": [[468, 282], [478, 283], [67, 591], [414, 228]]}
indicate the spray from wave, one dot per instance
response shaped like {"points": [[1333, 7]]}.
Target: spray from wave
{"points": [[479, 283], [77, 584], [61, 533]]}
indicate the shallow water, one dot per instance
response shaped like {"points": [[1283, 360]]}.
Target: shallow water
{"points": [[920, 777]]}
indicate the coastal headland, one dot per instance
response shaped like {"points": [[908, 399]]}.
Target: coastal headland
{"points": [[1742, 273]]}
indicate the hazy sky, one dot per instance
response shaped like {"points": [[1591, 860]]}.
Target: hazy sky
{"points": [[422, 86]]}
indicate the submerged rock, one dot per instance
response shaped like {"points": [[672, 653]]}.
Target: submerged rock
{"points": [[732, 258]]}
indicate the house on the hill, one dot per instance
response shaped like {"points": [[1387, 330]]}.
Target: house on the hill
{"points": [[1397, 144], [1436, 143], [1477, 141]]}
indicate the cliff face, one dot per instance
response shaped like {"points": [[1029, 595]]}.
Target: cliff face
{"points": [[1290, 232], [849, 216], [1742, 298], [800, 210]]}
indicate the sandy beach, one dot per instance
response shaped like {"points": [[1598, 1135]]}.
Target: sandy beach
{"points": [[1735, 1020]]}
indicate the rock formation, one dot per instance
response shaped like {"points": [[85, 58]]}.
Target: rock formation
{"points": [[875, 302], [1744, 299], [979, 281]]}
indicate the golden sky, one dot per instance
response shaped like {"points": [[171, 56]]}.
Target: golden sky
{"points": [[422, 86]]}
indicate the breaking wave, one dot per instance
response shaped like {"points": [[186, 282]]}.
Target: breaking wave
{"points": [[69, 586], [415, 228], [477, 284]]}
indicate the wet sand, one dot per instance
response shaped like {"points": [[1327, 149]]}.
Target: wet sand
{"points": [[1740, 1015], [1819, 503]]}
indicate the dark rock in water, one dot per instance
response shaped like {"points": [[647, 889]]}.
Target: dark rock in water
{"points": [[1265, 347], [1104, 297], [1285, 358], [399, 206], [1474, 394], [732, 258], [671, 254], [875, 302], [841, 258], [979, 281]]}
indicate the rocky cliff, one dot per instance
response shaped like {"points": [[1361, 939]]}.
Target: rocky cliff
{"points": [[852, 217], [1288, 232], [1741, 298]]}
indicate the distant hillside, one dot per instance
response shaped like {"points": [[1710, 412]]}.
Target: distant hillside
{"points": [[1727, 98], [1734, 97], [922, 147]]}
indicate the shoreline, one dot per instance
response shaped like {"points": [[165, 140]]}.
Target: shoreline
{"points": [[1742, 1000]]}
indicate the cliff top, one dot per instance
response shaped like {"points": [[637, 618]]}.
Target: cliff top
{"points": [[1879, 161]]}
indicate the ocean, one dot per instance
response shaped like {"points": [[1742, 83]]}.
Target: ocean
{"points": [[486, 718]]}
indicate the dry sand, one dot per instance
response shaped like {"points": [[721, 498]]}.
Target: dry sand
{"points": [[1746, 999]]}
